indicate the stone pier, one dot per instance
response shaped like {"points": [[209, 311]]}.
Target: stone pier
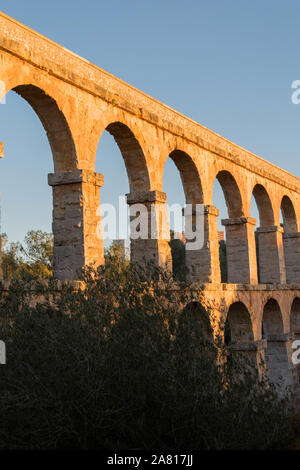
{"points": [[240, 250], [76, 222]]}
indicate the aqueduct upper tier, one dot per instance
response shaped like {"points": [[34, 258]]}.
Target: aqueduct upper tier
{"points": [[76, 101]]}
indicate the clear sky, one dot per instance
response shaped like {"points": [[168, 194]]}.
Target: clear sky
{"points": [[226, 64]]}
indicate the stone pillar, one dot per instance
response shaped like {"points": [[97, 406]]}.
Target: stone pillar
{"points": [[261, 347], [76, 222], [203, 264], [254, 351], [295, 335], [271, 256], [149, 229], [291, 245], [241, 250], [278, 360]]}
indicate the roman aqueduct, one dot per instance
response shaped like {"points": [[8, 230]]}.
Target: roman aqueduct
{"points": [[76, 102]]}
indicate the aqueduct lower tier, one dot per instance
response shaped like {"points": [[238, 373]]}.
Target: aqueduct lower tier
{"points": [[263, 324]]}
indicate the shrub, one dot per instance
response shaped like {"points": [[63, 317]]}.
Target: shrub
{"points": [[119, 365]]}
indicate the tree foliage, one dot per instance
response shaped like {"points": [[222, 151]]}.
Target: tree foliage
{"points": [[120, 364], [30, 260]]}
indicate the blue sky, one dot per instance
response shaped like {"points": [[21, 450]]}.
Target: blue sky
{"points": [[226, 64]]}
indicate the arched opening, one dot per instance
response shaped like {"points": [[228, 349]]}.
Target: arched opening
{"points": [[262, 211], [26, 197], [220, 203], [276, 354], [264, 205], [233, 242], [198, 316], [133, 155], [195, 328], [183, 187], [231, 193], [295, 318], [291, 240], [194, 338], [121, 160], [239, 332], [288, 215], [55, 125], [189, 175]]}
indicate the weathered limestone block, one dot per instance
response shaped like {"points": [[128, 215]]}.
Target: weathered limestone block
{"points": [[240, 250], [149, 228], [76, 222], [271, 255], [203, 264], [291, 245]]}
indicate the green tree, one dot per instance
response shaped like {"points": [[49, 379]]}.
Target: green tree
{"points": [[117, 263], [117, 364], [30, 260], [10, 258]]}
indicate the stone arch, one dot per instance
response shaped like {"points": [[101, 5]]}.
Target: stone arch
{"points": [[189, 175], [266, 250], [64, 157], [276, 353], [194, 328], [133, 155], [197, 316], [54, 123], [145, 247], [291, 239], [185, 261], [238, 332], [239, 266], [272, 319], [288, 215], [239, 325], [295, 318], [264, 205], [231, 193]]}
